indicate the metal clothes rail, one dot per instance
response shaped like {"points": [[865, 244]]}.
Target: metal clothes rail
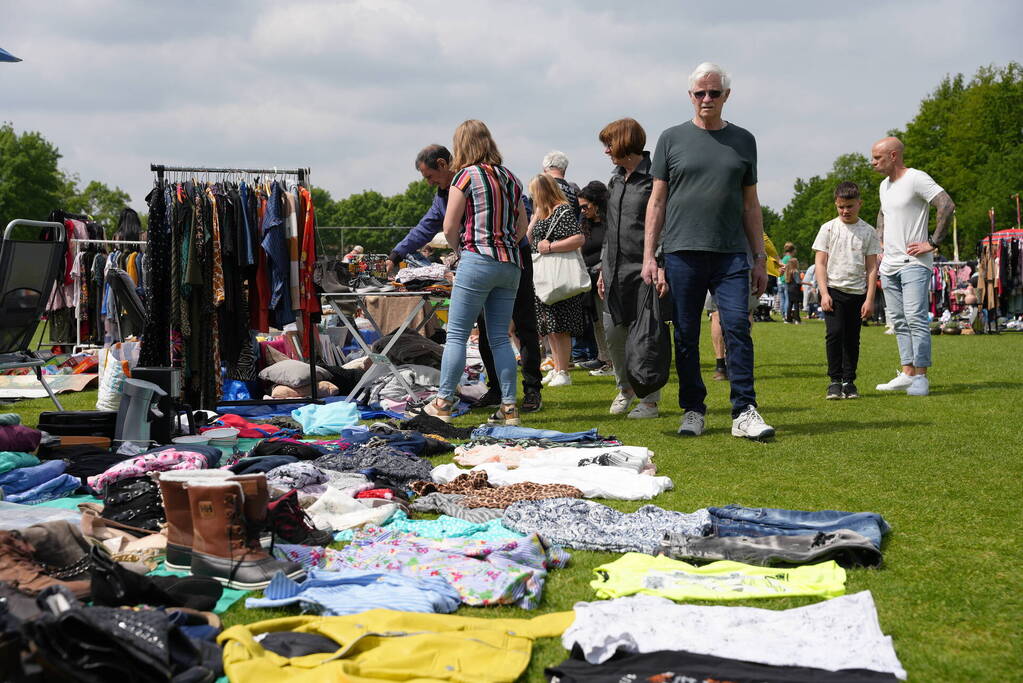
{"points": [[303, 179]]}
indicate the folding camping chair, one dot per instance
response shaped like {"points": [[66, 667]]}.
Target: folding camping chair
{"points": [[28, 273]]}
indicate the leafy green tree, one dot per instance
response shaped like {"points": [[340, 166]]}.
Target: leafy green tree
{"points": [[372, 209], [31, 184]]}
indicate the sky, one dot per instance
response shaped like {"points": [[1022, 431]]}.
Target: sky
{"points": [[354, 89]]}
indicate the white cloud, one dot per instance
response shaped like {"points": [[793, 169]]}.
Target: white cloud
{"points": [[354, 89]]}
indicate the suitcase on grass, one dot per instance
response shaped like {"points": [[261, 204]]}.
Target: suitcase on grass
{"points": [[79, 423]]}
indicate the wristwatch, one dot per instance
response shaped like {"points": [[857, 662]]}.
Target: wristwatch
{"points": [[930, 241], [760, 255]]}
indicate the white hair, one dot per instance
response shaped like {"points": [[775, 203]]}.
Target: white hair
{"points": [[706, 69], [555, 159]]}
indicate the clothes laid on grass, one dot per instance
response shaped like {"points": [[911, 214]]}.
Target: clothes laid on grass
{"points": [[38, 484], [615, 483], [450, 527], [847, 548], [675, 666], [736, 520], [417, 647], [841, 633], [633, 457], [478, 491], [329, 418], [587, 525], [12, 460], [450, 504], [485, 573], [397, 465], [334, 593], [723, 580], [338, 510], [164, 460], [18, 437], [506, 432]]}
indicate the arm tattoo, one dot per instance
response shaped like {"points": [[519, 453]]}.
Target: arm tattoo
{"points": [[946, 207]]}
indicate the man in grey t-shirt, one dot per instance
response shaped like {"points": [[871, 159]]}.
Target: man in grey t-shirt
{"points": [[705, 199]]}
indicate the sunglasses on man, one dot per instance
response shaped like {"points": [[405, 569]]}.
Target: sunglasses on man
{"points": [[714, 94]]}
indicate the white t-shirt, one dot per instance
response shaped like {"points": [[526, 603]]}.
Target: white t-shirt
{"points": [[847, 246], [906, 205]]}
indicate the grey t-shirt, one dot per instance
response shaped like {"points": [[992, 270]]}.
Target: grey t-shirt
{"points": [[706, 171]]}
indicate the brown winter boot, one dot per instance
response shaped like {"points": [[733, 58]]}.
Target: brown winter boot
{"points": [[179, 513], [19, 568], [225, 542]]}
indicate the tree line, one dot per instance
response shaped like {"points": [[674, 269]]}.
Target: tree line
{"points": [[967, 134]]}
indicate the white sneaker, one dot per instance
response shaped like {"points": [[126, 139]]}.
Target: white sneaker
{"points": [[692, 424], [889, 330], [750, 425], [921, 386], [621, 404], [901, 382], [560, 379], [644, 410], [548, 377]]}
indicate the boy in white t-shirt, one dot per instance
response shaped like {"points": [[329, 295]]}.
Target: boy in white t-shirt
{"points": [[846, 273]]}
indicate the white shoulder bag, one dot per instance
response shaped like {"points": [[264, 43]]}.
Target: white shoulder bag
{"points": [[559, 275]]}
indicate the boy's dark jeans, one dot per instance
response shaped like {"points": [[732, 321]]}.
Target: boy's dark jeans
{"points": [[842, 336]]}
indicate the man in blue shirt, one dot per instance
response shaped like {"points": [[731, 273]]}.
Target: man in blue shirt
{"points": [[434, 163]]}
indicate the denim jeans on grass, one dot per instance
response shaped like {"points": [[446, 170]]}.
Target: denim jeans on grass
{"points": [[736, 520], [906, 299], [691, 274], [504, 432], [481, 284]]}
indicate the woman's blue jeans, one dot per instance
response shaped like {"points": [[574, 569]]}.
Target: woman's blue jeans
{"points": [[481, 284]]}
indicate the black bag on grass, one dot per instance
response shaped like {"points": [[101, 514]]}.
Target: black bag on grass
{"points": [[648, 346]]}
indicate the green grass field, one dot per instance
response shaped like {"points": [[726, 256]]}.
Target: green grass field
{"points": [[944, 470]]}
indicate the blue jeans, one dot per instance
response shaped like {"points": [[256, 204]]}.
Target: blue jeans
{"points": [[691, 274], [907, 296], [783, 293], [736, 520], [481, 284]]}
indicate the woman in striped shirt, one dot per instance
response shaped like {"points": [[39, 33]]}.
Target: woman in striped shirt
{"points": [[484, 223]]}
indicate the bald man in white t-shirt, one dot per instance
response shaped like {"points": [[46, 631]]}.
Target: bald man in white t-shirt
{"points": [[906, 197]]}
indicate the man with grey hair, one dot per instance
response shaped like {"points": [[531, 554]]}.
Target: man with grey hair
{"points": [[705, 215], [555, 163], [906, 198]]}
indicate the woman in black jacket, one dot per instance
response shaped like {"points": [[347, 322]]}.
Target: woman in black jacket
{"points": [[622, 256], [592, 210]]}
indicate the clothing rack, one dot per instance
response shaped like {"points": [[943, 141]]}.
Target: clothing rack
{"points": [[303, 179]]}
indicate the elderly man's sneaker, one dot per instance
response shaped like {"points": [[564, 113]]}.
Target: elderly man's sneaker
{"points": [[644, 410], [621, 404], [834, 391], [692, 424], [921, 386], [606, 370], [901, 382], [749, 425], [849, 390]]}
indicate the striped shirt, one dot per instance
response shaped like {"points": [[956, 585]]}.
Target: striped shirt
{"points": [[492, 195]]}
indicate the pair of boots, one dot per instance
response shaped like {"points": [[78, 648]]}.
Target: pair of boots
{"points": [[214, 523]]}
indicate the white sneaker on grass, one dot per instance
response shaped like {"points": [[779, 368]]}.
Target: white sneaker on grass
{"points": [[921, 386], [692, 424], [644, 410], [621, 404], [749, 425], [561, 378], [548, 377], [901, 382]]}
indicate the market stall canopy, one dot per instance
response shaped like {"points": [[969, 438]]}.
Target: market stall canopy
{"points": [[6, 56], [1001, 235]]}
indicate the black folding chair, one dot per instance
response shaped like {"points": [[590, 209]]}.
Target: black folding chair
{"points": [[29, 270]]}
